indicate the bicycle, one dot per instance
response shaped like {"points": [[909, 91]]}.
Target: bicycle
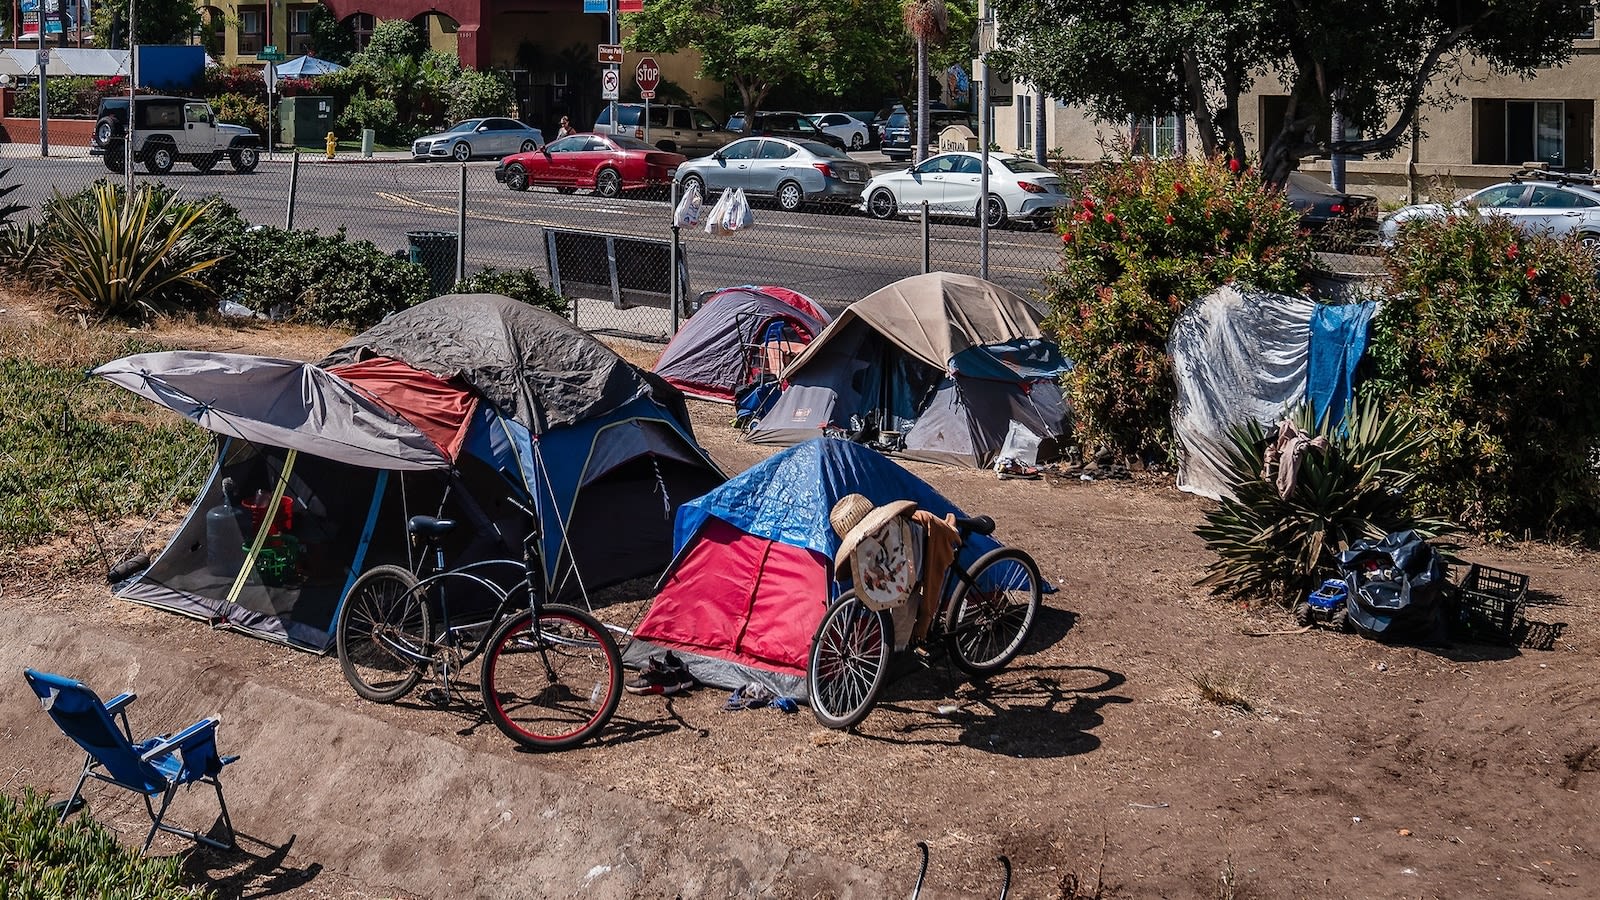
{"points": [[982, 619], [548, 686]]}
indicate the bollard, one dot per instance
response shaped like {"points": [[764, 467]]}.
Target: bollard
{"points": [[333, 144], [367, 137]]}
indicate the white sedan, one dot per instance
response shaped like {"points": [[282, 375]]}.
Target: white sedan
{"points": [[1019, 188], [845, 127]]}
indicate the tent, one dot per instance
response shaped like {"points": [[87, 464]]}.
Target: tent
{"points": [[448, 408], [307, 66], [935, 366], [751, 571], [732, 340]]}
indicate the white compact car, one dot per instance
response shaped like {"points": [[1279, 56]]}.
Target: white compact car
{"points": [[845, 127], [1019, 189]]}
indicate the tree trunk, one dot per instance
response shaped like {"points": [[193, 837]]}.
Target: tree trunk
{"points": [[922, 99], [1040, 151]]}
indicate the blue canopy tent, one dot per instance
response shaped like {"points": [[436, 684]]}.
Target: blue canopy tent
{"points": [[307, 66]]}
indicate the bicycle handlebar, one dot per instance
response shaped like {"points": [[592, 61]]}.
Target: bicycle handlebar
{"points": [[974, 525]]}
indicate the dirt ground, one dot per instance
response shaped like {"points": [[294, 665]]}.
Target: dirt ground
{"points": [[1347, 768]]}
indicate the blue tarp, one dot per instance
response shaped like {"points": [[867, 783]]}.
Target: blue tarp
{"points": [[1024, 359], [1338, 340]]}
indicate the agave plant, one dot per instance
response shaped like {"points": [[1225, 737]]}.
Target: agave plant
{"points": [[1270, 546], [7, 210], [127, 256]]}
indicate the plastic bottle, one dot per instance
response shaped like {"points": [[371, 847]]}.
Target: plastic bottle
{"points": [[226, 528]]}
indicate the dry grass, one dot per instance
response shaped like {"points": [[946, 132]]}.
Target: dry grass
{"points": [[1226, 691]]}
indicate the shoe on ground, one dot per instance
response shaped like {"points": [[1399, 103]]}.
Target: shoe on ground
{"points": [[664, 675], [1009, 469]]}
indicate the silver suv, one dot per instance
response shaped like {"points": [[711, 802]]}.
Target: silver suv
{"points": [[170, 130], [675, 129]]}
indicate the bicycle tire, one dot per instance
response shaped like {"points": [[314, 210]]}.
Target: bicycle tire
{"points": [[384, 602], [848, 662], [985, 629], [570, 690]]}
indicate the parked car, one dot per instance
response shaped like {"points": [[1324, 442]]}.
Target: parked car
{"points": [[1320, 205], [675, 129], [845, 127], [1019, 188], [1544, 203], [608, 164], [898, 140], [793, 125], [792, 172], [478, 137], [170, 130]]}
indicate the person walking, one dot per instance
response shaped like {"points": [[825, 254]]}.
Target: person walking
{"points": [[565, 129]]}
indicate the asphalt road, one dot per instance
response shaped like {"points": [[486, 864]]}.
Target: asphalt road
{"points": [[834, 256]]}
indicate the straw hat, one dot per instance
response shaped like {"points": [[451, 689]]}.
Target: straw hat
{"points": [[854, 517]]}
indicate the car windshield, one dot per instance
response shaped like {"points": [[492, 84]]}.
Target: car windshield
{"points": [[468, 125], [1019, 165], [898, 120], [628, 143], [826, 151]]}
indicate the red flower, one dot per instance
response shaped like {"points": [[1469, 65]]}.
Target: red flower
{"points": [[1178, 188], [1511, 252], [1110, 218], [1169, 218], [1532, 273], [1066, 237], [1233, 166], [1565, 300], [1088, 203]]}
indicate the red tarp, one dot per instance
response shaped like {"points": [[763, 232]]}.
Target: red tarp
{"points": [[438, 408], [742, 598]]}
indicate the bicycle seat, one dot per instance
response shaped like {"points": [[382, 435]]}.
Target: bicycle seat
{"points": [[974, 525], [428, 526]]}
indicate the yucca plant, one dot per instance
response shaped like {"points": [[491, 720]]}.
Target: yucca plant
{"points": [[7, 210], [127, 256], [1274, 547]]}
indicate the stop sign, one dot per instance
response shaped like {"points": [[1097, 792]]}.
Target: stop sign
{"points": [[647, 74]]}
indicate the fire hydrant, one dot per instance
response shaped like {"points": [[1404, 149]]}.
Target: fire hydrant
{"points": [[333, 144]]}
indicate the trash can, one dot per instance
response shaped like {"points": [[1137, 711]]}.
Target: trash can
{"points": [[435, 252]]}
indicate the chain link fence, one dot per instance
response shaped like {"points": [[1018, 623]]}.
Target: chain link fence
{"points": [[444, 215]]}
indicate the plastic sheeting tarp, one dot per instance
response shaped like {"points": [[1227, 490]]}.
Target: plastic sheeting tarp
{"points": [[1236, 355], [1338, 341]]}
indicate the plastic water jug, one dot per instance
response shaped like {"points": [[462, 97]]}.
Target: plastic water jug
{"points": [[227, 529]]}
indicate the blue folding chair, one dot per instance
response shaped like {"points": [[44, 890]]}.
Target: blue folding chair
{"points": [[158, 765]]}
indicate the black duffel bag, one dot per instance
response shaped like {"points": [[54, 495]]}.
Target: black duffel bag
{"points": [[1395, 586]]}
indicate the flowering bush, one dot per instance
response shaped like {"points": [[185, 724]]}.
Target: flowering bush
{"points": [[1145, 238], [1493, 337]]}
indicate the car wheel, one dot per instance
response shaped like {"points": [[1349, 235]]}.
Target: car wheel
{"points": [[857, 141], [608, 183], [790, 196], [245, 159], [996, 211], [105, 130], [461, 152], [529, 146], [516, 177], [882, 204], [158, 159], [204, 163], [115, 158], [693, 184], [1590, 242]]}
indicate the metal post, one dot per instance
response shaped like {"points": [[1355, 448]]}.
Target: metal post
{"points": [[926, 239], [647, 120], [611, 12], [294, 188], [675, 292], [461, 228], [133, 80], [985, 40], [43, 60]]}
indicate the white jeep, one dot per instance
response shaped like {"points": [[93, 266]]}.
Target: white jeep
{"points": [[170, 130]]}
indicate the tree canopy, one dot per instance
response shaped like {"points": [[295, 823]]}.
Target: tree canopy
{"points": [[1377, 62], [159, 22]]}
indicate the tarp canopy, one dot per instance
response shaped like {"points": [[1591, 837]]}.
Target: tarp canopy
{"points": [[1236, 356], [306, 67], [277, 402], [533, 365]]}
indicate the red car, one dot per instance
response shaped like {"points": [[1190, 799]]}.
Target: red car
{"points": [[609, 164]]}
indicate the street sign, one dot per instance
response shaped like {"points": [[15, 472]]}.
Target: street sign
{"points": [[603, 7], [270, 53], [630, 6], [610, 54], [647, 74], [44, 57], [647, 95], [609, 82], [269, 74]]}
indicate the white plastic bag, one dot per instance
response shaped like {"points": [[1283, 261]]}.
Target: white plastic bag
{"points": [[1021, 445], [690, 208], [738, 214], [715, 219]]}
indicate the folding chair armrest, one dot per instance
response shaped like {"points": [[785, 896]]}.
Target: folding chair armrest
{"points": [[167, 745], [115, 704]]}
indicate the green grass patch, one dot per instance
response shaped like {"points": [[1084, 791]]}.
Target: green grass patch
{"points": [[43, 860], [74, 449]]}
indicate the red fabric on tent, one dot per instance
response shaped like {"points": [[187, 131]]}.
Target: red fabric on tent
{"points": [[797, 300], [438, 408], [741, 598]]}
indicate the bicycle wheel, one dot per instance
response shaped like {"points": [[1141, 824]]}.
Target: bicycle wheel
{"points": [[383, 611], [849, 661], [989, 619], [554, 687]]}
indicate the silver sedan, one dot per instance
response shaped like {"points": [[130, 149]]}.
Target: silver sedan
{"points": [[1555, 207], [494, 137], [792, 172]]}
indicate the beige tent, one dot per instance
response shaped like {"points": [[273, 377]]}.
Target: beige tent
{"points": [[937, 367]]}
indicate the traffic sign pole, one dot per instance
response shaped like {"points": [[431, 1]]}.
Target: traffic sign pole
{"points": [[616, 69], [648, 76]]}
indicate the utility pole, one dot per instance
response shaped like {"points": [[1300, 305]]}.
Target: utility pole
{"points": [[133, 79], [613, 35], [981, 70]]}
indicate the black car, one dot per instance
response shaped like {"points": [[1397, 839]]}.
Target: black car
{"points": [[792, 125], [898, 138], [1321, 206]]}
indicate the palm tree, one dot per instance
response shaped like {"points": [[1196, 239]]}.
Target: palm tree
{"points": [[927, 21]]}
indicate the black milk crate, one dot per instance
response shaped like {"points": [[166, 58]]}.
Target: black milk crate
{"points": [[1489, 603]]}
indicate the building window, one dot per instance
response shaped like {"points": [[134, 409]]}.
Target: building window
{"points": [[252, 29], [1024, 108], [361, 25], [1156, 136], [1536, 131], [1586, 33], [300, 31]]}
